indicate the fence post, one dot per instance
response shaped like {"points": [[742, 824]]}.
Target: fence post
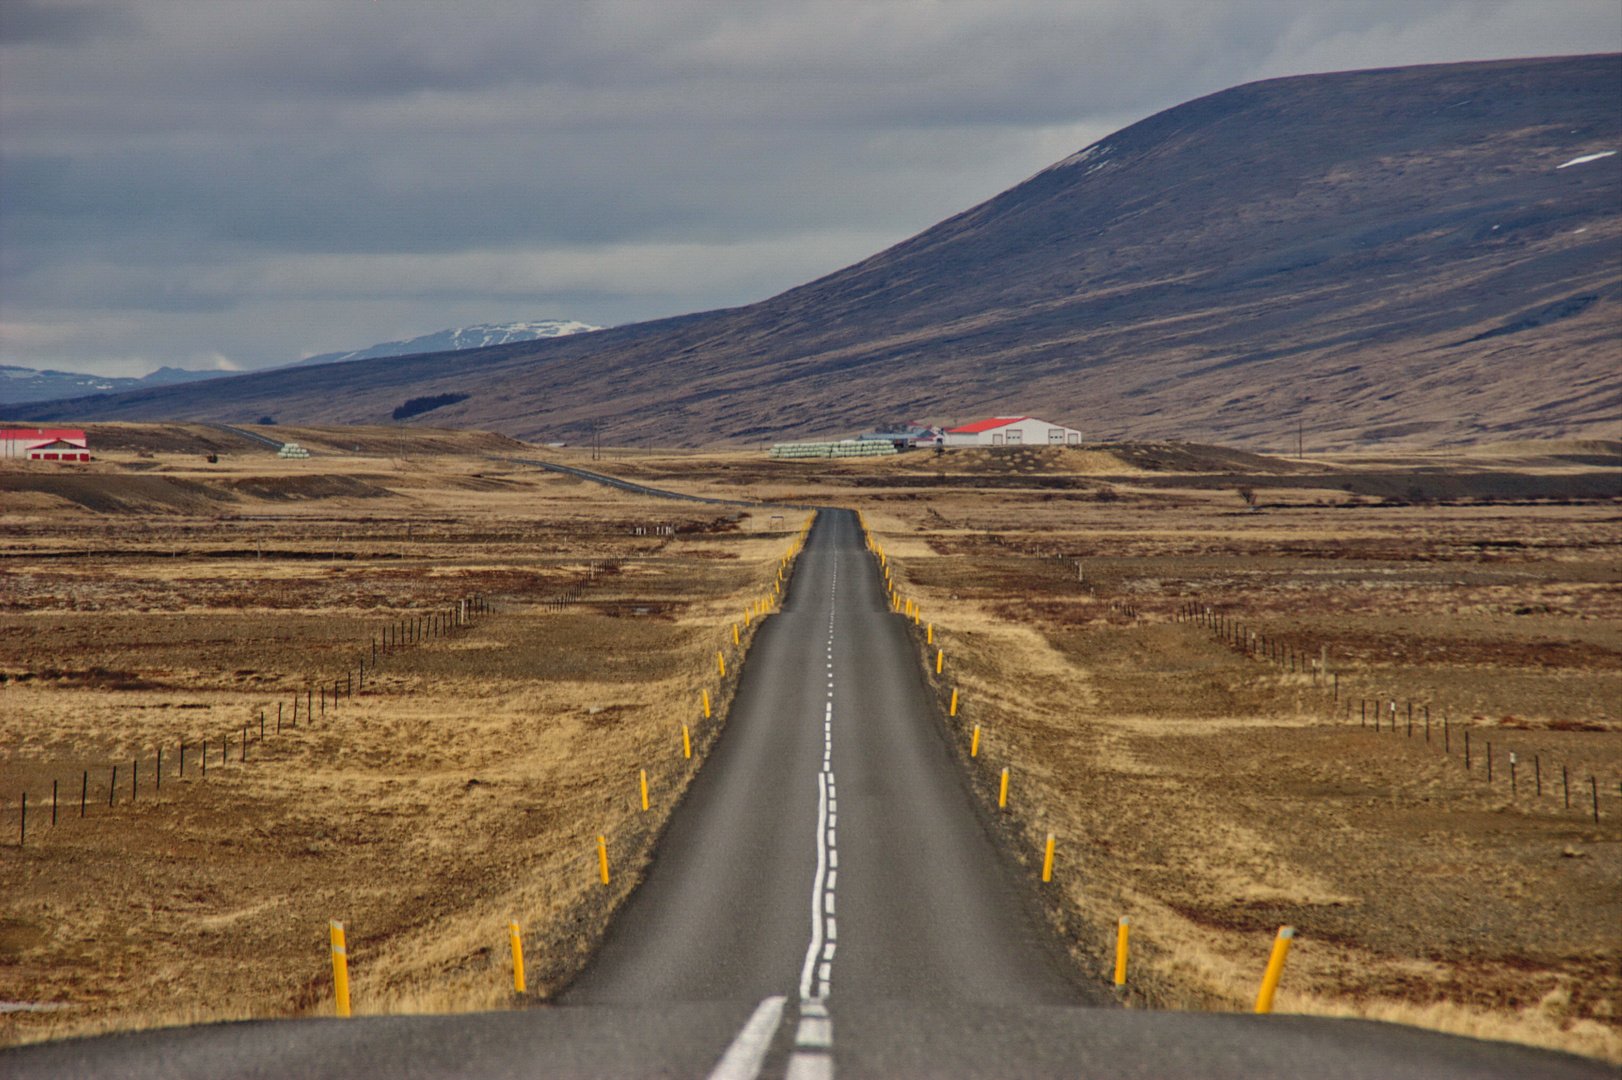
{"points": [[518, 957], [1121, 934], [1275, 969], [340, 968]]}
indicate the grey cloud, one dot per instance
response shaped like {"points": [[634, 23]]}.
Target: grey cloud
{"points": [[180, 160], [31, 22]]}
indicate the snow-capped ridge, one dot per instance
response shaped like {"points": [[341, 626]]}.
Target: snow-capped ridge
{"points": [[480, 336]]}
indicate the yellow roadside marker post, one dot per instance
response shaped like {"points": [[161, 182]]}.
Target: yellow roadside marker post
{"points": [[974, 743], [706, 694], [644, 789], [1047, 860], [721, 662], [602, 858], [1275, 968], [929, 638], [1002, 795], [735, 639], [940, 658], [686, 742], [953, 710], [1121, 933], [518, 957], [340, 968]]}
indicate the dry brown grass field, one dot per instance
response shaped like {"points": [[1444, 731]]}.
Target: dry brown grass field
{"points": [[156, 598], [1206, 792], [1211, 795]]}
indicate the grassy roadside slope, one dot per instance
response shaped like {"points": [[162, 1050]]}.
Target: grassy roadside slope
{"points": [[462, 787], [1212, 797]]}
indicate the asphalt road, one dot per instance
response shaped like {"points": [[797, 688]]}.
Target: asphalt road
{"points": [[826, 901], [915, 902]]}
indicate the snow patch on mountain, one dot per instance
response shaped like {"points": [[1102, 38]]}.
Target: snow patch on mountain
{"points": [[466, 337], [1586, 158]]}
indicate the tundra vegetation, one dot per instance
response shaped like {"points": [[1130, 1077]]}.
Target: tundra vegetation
{"points": [[154, 598], [1196, 785]]}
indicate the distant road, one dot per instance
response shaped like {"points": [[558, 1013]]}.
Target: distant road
{"points": [[635, 489], [826, 901], [623, 485], [251, 436]]}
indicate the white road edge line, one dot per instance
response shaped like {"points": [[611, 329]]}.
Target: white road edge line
{"points": [[813, 952], [744, 1057]]}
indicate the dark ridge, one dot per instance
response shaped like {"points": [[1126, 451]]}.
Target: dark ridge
{"points": [[419, 405], [1562, 309]]}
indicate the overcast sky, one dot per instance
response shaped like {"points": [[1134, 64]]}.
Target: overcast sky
{"points": [[242, 183]]}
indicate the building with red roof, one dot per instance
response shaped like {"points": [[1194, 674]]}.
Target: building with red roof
{"points": [[45, 444], [1012, 431]]}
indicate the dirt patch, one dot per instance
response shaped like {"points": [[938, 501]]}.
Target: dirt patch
{"points": [[318, 486], [189, 439], [1199, 458], [116, 494]]}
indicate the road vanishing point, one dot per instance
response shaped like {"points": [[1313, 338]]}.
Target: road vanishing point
{"points": [[828, 900]]}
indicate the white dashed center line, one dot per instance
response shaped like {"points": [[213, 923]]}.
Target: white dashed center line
{"points": [[813, 1039]]}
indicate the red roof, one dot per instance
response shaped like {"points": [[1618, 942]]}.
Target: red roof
{"points": [[43, 435], [986, 425]]}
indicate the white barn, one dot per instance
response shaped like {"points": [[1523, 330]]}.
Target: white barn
{"points": [[1012, 431]]}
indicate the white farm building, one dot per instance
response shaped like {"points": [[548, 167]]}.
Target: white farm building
{"points": [[1012, 431]]}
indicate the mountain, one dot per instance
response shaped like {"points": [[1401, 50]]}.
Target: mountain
{"points": [[1424, 255], [468, 337], [20, 385]]}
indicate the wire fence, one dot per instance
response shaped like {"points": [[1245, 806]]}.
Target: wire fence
{"points": [[123, 782]]}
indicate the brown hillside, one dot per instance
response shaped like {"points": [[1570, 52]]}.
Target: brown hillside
{"points": [[1357, 258]]}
